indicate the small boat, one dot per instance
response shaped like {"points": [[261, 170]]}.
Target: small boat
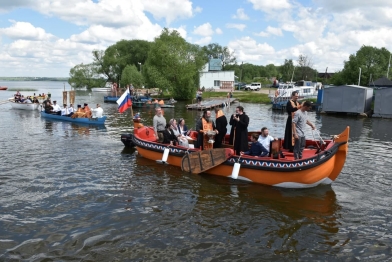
{"points": [[24, 106], [306, 89], [3, 88], [101, 89], [90, 121], [110, 99], [321, 162]]}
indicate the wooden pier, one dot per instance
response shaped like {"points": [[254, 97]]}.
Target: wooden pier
{"points": [[212, 103]]}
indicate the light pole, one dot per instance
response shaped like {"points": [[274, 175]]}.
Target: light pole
{"points": [[359, 78], [140, 64]]}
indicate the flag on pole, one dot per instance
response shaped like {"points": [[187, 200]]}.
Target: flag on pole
{"points": [[124, 102]]}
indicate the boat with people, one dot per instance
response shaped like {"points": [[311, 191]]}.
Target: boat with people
{"points": [[81, 120], [321, 163], [24, 106]]}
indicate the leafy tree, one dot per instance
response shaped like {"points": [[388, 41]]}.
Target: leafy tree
{"points": [[286, 70], [174, 65], [372, 61], [131, 75], [217, 51], [85, 76], [304, 70]]}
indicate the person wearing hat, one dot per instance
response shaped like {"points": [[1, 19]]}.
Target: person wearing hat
{"points": [[87, 111], [56, 108]]}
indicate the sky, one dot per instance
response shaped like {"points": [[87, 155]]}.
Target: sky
{"points": [[48, 37]]}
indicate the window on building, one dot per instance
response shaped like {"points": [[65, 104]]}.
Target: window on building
{"points": [[216, 82]]}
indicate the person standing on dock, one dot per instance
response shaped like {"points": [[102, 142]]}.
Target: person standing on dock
{"points": [[292, 106], [199, 94]]}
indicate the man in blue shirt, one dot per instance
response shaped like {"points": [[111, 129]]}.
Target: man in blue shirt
{"points": [[256, 149]]}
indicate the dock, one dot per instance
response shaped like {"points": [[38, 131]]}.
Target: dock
{"points": [[212, 103]]}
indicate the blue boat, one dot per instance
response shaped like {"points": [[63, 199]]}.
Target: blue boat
{"points": [[89, 121], [113, 99], [110, 99]]}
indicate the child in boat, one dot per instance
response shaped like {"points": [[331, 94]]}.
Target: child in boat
{"points": [[256, 149]]}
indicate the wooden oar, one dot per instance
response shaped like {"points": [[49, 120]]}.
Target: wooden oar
{"points": [[203, 160]]}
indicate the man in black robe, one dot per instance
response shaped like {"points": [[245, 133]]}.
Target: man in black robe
{"points": [[221, 126], [240, 131], [291, 106]]}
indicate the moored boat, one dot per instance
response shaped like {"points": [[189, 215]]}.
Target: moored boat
{"points": [[321, 164], [24, 106], [90, 121]]}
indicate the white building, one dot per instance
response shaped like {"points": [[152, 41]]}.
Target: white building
{"points": [[212, 76]]}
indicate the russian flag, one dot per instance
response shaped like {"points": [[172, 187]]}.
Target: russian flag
{"points": [[124, 102]]}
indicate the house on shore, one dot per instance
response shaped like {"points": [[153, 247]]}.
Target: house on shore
{"points": [[212, 76]]}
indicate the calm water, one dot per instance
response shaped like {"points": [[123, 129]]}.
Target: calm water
{"points": [[74, 193]]}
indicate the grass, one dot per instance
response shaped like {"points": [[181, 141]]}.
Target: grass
{"points": [[22, 89]]}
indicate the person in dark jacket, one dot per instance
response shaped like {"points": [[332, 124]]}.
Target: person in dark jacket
{"points": [[221, 126], [168, 136], [292, 106], [256, 148]]}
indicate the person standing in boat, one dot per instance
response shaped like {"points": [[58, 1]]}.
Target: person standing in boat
{"points": [[291, 106], [241, 130], [221, 126], [159, 123], [299, 122], [203, 125]]}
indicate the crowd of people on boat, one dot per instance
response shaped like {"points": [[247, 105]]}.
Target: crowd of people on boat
{"points": [[70, 111], [211, 134], [31, 99]]}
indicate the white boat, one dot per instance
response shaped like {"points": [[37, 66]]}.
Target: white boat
{"points": [[24, 106], [306, 89], [101, 89]]}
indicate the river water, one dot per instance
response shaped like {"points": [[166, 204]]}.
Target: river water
{"points": [[74, 193]]}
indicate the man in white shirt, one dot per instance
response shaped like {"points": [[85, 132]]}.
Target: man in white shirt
{"points": [[64, 110], [56, 108], [265, 139], [70, 109], [98, 112]]}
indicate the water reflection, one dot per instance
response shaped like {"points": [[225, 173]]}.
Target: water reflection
{"points": [[68, 129]]}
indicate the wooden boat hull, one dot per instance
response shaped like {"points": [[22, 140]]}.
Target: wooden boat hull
{"points": [[89, 121], [24, 106], [3, 88], [322, 168]]}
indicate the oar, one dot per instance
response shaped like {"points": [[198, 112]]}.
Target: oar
{"points": [[318, 133], [164, 156], [236, 169]]}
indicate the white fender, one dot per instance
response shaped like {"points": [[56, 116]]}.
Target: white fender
{"points": [[236, 170]]}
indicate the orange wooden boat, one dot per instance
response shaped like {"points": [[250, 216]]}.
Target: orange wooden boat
{"points": [[3, 88], [321, 163]]}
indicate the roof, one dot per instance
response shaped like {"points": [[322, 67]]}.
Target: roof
{"points": [[382, 82], [351, 86]]}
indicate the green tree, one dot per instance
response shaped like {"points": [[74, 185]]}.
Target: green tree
{"points": [[372, 61], [131, 75], [215, 50], [85, 76], [174, 65], [286, 70]]}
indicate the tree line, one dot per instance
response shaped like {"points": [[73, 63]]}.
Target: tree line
{"points": [[172, 64]]}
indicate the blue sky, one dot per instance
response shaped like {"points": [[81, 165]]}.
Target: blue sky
{"points": [[49, 37]]}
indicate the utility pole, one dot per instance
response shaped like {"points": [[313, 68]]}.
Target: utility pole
{"points": [[389, 64], [240, 75], [359, 78]]}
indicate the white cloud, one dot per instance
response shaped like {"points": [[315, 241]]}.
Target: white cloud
{"points": [[270, 5], [248, 50], [204, 30], [197, 9], [218, 31], [240, 15], [204, 41], [170, 10], [26, 31], [240, 27], [342, 6], [271, 31]]}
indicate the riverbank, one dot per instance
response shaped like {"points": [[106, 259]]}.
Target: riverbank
{"points": [[260, 97]]}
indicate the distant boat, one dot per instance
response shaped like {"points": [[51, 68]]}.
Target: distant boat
{"points": [[3, 88], [101, 89], [24, 106]]}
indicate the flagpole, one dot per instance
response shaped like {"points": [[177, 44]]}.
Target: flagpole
{"points": [[129, 90]]}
